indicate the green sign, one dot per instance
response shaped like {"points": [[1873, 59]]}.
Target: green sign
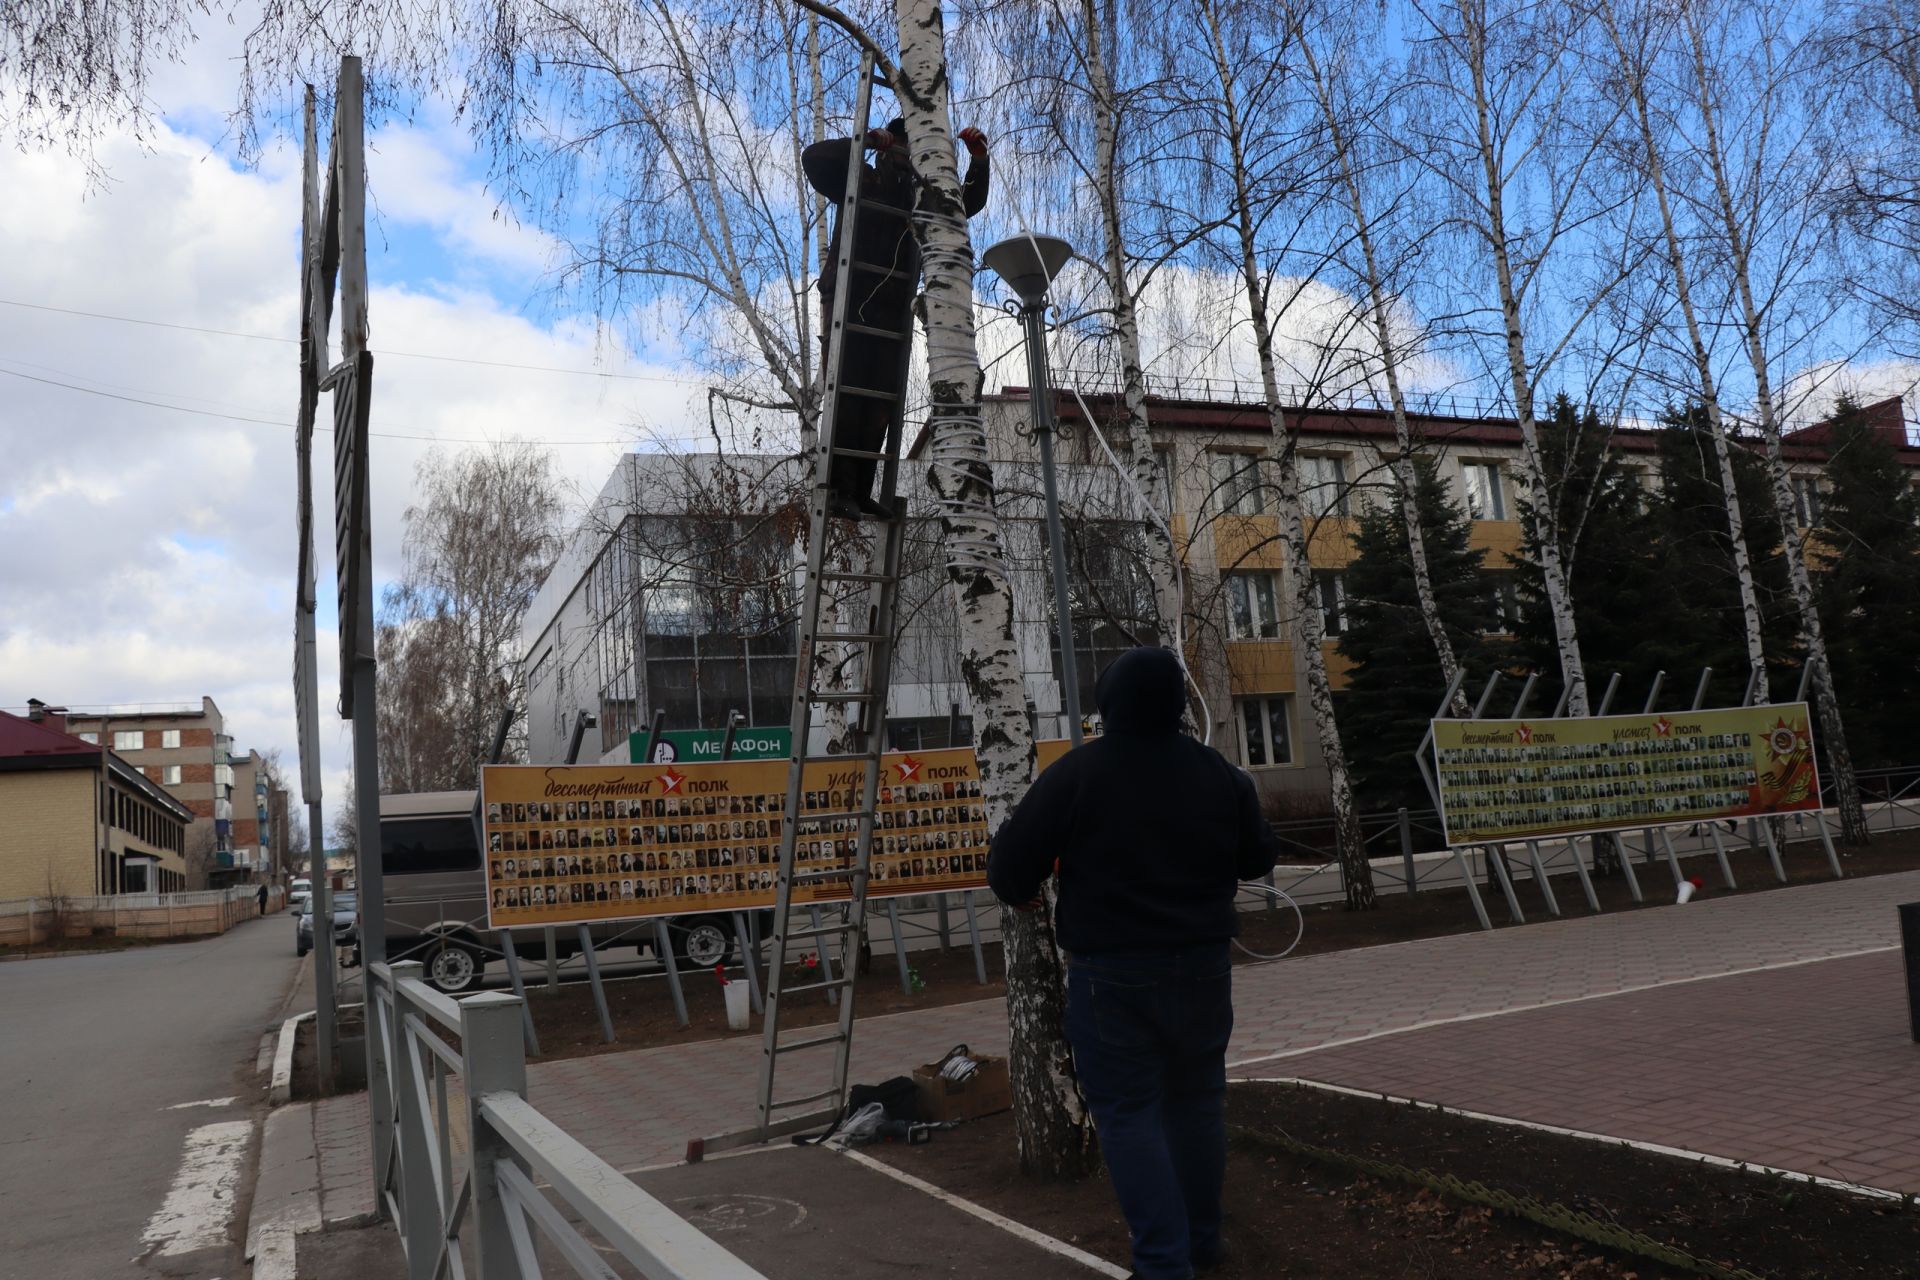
{"points": [[703, 746]]}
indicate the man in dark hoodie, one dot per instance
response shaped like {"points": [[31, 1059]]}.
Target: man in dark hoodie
{"points": [[1152, 832], [885, 277]]}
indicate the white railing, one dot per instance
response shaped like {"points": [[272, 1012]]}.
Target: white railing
{"points": [[432, 1103]]}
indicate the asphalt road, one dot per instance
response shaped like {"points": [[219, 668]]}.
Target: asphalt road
{"points": [[130, 1105]]}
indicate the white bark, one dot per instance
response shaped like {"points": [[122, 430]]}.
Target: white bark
{"points": [[1098, 21], [1633, 72], [1356, 873], [1379, 307], [1054, 1128], [1753, 334], [1546, 531]]}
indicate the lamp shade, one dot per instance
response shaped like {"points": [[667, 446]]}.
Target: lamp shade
{"points": [[1028, 262]]}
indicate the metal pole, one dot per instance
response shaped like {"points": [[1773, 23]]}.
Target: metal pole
{"points": [[373, 916], [973, 931], [663, 948], [726, 744], [1039, 396], [553, 959], [1406, 850], [746, 962], [512, 957], [593, 980], [899, 946], [946, 936], [653, 736]]}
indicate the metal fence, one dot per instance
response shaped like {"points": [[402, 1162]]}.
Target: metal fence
{"points": [[475, 1179]]}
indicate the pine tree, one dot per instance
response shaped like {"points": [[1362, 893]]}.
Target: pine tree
{"points": [[1867, 582], [1396, 679]]}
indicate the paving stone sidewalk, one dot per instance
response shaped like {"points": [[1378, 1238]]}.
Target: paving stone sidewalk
{"points": [[640, 1108], [1809, 1068]]}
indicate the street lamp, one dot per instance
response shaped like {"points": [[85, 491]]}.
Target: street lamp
{"points": [[1027, 264]]}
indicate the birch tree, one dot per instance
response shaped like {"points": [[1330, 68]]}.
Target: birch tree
{"points": [[1636, 33], [1500, 133], [1240, 105], [1346, 125], [1753, 197]]}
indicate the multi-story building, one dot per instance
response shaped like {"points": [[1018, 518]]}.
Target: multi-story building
{"points": [[679, 593], [80, 819], [187, 750]]}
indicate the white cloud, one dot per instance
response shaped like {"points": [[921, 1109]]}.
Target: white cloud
{"points": [[147, 555]]}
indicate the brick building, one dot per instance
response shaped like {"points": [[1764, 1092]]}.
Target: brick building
{"points": [[80, 820]]}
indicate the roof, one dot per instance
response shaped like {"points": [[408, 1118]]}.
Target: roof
{"points": [[25, 744], [1884, 418]]}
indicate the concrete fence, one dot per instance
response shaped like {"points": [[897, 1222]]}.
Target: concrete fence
{"points": [[32, 922]]}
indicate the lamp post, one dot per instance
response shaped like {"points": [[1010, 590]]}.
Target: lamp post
{"points": [[1027, 264]]}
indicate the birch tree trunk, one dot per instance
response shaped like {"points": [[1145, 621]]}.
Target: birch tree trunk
{"points": [[1546, 531], [1099, 21], [1379, 309], [1356, 873], [1634, 73], [1853, 817], [1056, 1137]]}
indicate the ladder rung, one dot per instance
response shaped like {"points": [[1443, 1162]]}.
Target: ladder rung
{"points": [[803, 935], [834, 983], [875, 269], [848, 815], [833, 696], [853, 575], [850, 637], [875, 454], [802, 1101], [881, 206], [875, 331], [811, 1042], [821, 873], [845, 757], [871, 393]]}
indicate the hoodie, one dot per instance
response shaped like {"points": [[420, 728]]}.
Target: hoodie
{"points": [[1151, 830]]}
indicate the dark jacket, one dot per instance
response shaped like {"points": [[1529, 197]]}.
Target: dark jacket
{"points": [[1151, 829], [882, 239]]}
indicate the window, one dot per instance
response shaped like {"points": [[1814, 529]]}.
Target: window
{"points": [[129, 740], [929, 733], [170, 739], [1323, 485], [1163, 459], [94, 738], [1503, 604], [1251, 611], [1266, 731], [1331, 587], [1237, 488], [1486, 495], [1806, 501], [414, 846], [170, 775]]}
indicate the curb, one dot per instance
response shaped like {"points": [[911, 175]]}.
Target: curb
{"points": [[286, 1200], [281, 1086]]}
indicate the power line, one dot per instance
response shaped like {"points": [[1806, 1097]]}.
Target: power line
{"points": [[405, 355], [270, 422]]}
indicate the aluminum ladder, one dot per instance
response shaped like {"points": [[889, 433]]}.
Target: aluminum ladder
{"points": [[870, 596]]}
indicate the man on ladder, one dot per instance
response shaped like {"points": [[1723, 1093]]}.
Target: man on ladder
{"points": [[886, 275]]}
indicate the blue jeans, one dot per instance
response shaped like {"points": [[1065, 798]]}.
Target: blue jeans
{"points": [[1149, 1033]]}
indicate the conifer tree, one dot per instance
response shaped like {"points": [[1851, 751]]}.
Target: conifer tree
{"points": [[1397, 679], [1867, 582]]}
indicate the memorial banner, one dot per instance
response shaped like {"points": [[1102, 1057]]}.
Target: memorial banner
{"points": [[577, 844], [1521, 779]]}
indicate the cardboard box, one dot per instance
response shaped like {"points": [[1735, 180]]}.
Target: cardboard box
{"points": [[983, 1093]]}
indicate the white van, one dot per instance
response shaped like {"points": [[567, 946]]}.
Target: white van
{"points": [[298, 891]]}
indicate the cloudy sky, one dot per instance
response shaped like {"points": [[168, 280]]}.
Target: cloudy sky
{"points": [[147, 477]]}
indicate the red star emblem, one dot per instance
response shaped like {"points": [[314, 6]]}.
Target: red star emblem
{"points": [[909, 767], [1524, 733], [670, 781], [1663, 727]]}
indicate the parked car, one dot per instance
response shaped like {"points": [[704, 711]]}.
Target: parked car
{"points": [[435, 896], [298, 892], [346, 922]]}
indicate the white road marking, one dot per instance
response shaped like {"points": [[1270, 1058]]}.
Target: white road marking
{"points": [[200, 1203], [204, 1102]]}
